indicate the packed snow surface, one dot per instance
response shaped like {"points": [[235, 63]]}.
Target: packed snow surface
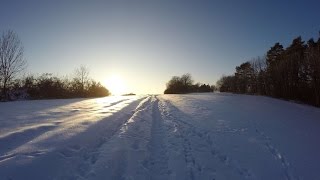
{"points": [[182, 137]]}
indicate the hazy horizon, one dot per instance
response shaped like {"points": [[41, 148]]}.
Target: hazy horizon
{"points": [[142, 44]]}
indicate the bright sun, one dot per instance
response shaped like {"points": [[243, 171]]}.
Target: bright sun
{"points": [[116, 85]]}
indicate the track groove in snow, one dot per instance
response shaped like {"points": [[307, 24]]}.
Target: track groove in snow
{"points": [[189, 137], [91, 154], [157, 163], [278, 156], [121, 147], [189, 131], [80, 151]]}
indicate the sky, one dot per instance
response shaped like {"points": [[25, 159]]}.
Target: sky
{"points": [[141, 44]]}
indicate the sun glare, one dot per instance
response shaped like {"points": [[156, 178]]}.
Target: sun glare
{"points": [[116, 85]]}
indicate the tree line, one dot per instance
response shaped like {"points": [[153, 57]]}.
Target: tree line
{"points": [[291, 73], [184, 84], [45, 86]]}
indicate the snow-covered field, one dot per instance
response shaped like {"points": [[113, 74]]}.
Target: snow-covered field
{"points": [[183, 137]]}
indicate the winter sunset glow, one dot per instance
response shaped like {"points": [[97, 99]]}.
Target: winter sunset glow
{"points": [[151, 41], [116, 85], [159, 89]]}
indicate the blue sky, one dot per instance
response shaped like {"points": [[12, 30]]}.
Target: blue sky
{"points": [[147, 42]]}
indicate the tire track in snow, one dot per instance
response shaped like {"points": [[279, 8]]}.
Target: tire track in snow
{"points": [[183, 133], [287, 169], [30, 134], [89, 153], [187, 131], [157, 163], [116, 150]]}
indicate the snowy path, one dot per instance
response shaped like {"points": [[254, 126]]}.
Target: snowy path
{"points": [[190, 137]]}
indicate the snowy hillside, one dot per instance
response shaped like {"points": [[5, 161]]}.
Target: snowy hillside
{"points": [[183, 137]]}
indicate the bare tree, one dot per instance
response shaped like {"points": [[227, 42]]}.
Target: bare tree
{"points": [[187, 79], [259, 67], [82, 77], [11, 60]]}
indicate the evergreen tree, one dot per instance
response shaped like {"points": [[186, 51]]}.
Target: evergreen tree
{"points": [[273, 72]]}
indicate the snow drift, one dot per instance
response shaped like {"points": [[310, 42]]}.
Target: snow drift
{"points": [[195, 136]]}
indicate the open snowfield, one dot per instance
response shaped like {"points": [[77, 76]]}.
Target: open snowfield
{"points": [[182, 137]]}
